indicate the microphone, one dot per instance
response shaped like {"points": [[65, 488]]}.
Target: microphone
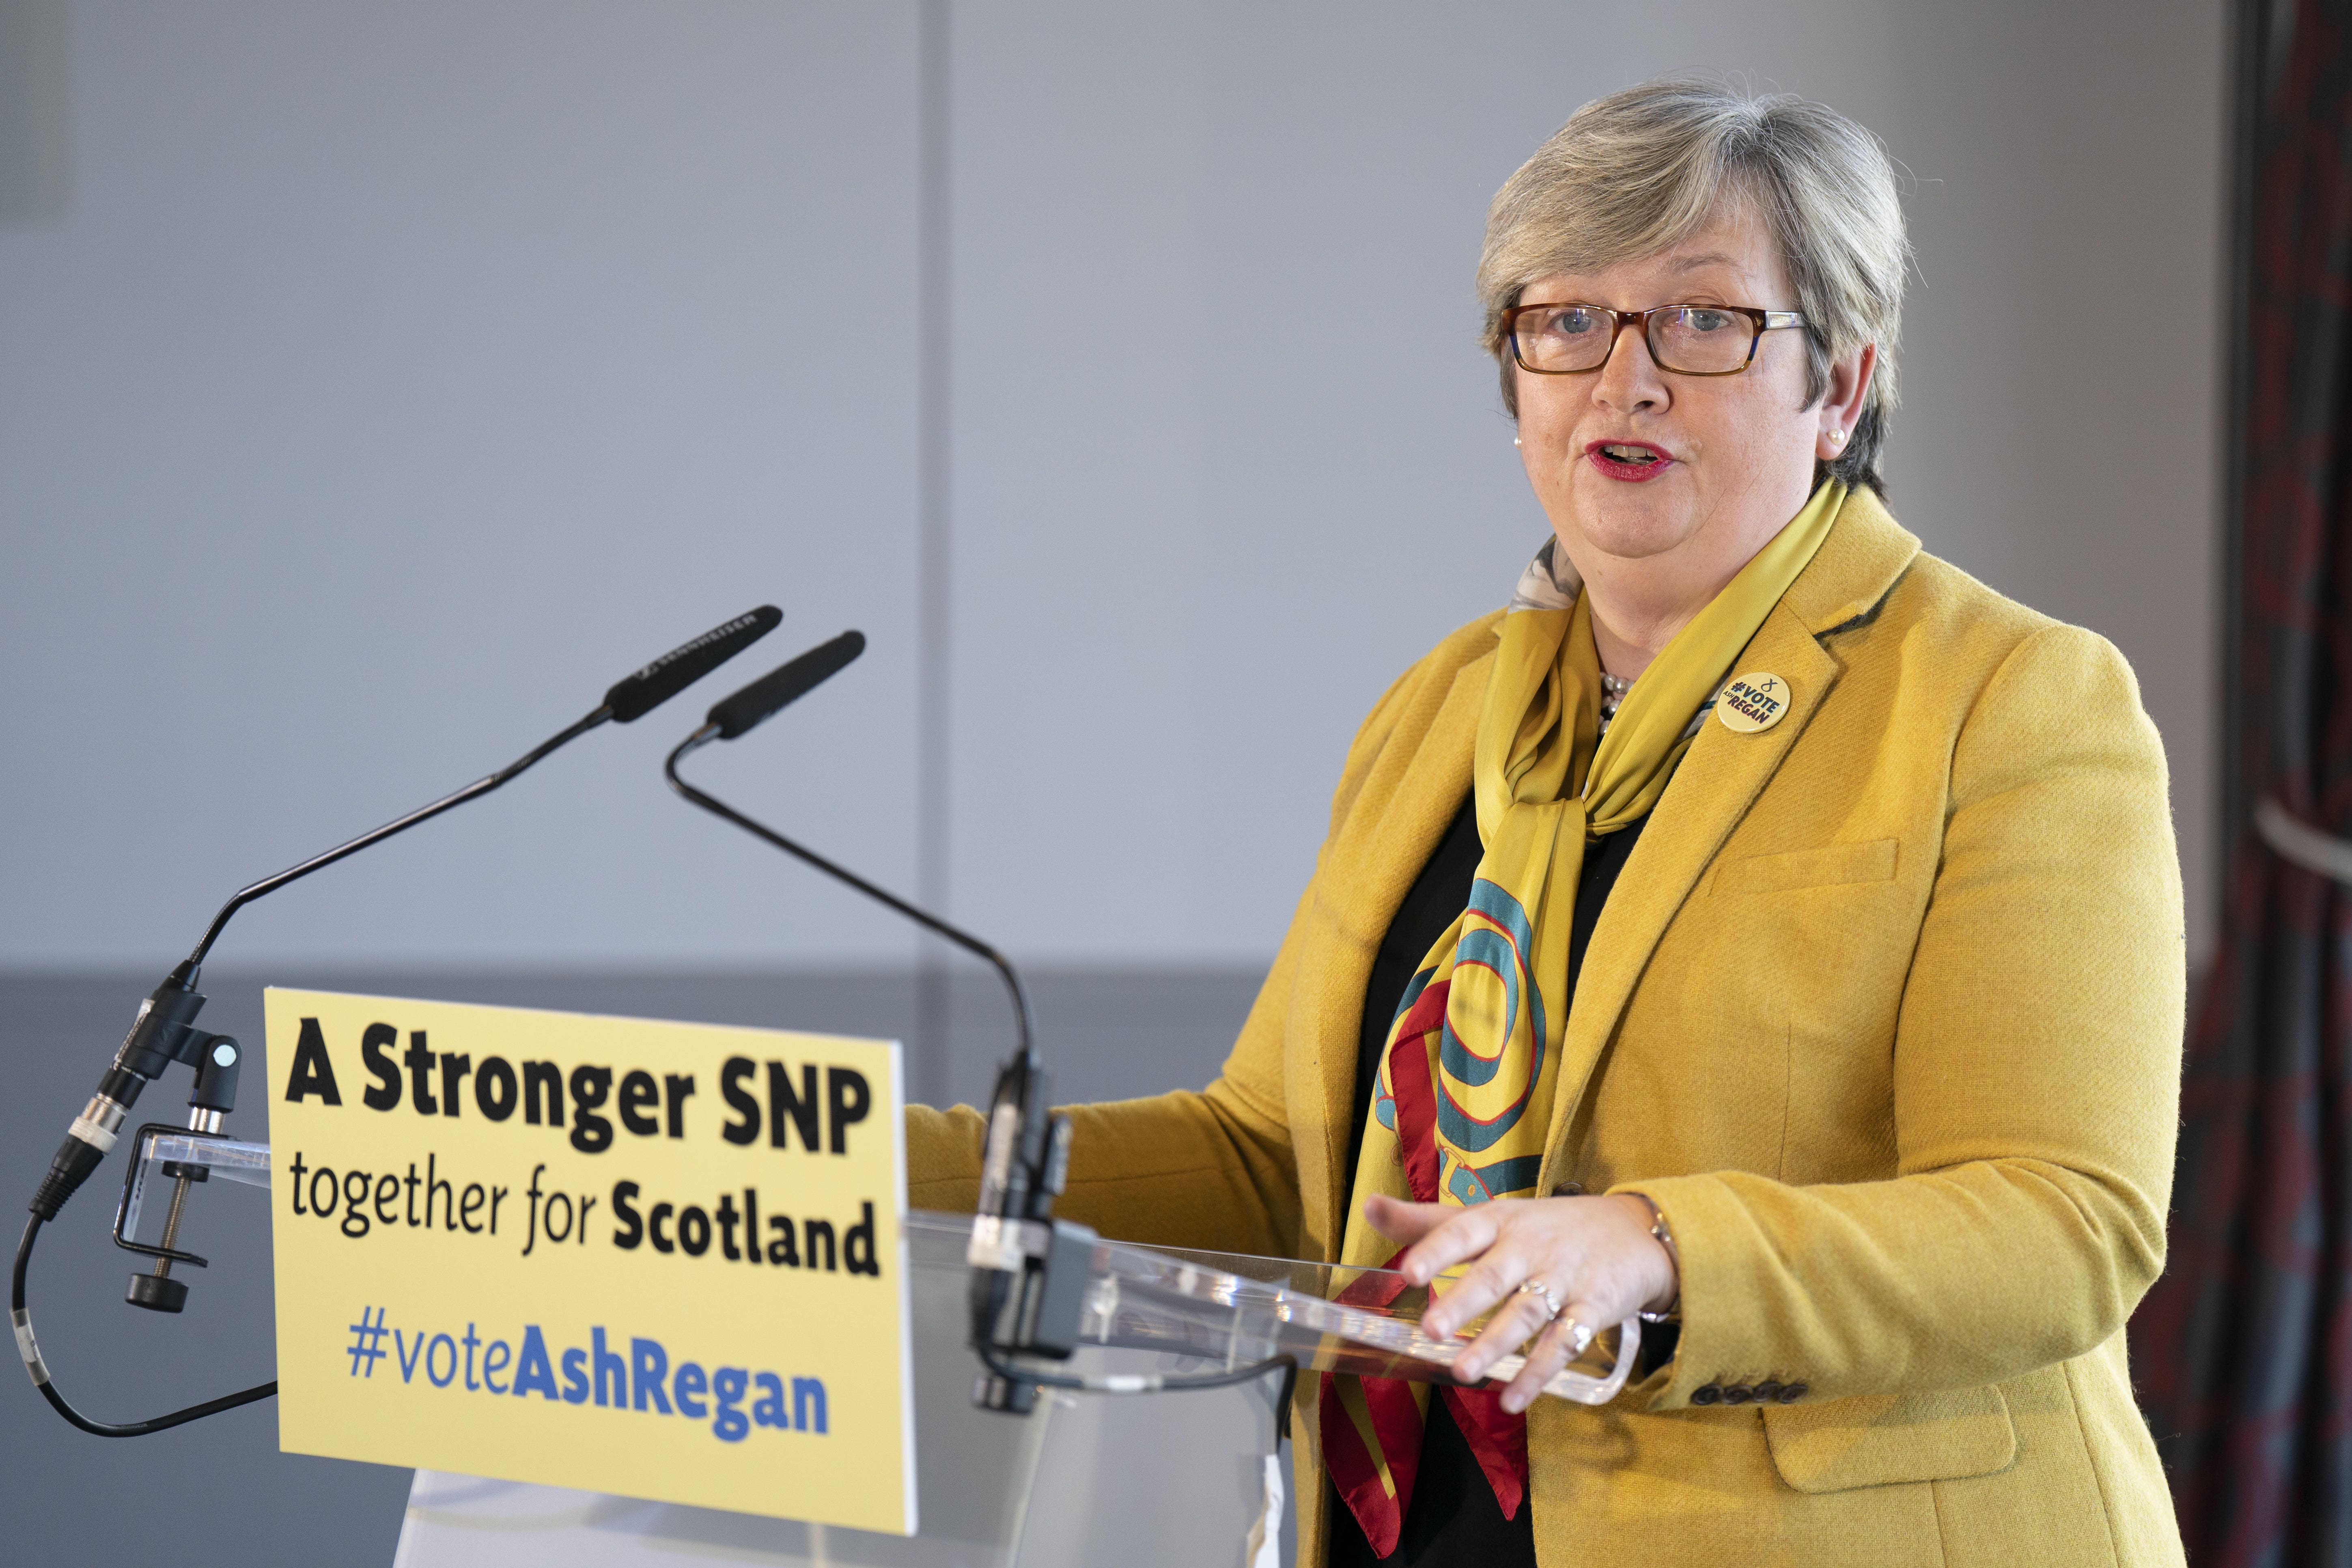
{"points": [[1029, 1269], [785, 685], [632, 697], [163, 1031], [753, 705], [1027, 1153]]}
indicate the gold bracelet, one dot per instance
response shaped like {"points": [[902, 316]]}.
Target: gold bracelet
{"points": [[1666, 1239]]}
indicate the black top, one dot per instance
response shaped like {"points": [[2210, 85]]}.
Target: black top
{"points": [[1453, 1521]]}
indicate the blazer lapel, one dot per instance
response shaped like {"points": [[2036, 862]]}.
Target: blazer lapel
{"points": [[1718, 778]]}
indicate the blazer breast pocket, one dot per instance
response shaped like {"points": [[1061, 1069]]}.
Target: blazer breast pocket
{"points": [[1831, 866]]}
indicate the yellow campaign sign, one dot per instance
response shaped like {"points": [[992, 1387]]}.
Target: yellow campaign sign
{"points": [[656, 1259]]}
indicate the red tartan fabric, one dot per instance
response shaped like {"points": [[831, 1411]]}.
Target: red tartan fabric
{"points": [[2243, 1349]]}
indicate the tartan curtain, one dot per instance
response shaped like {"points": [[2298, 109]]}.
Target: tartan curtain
{"points": [[2244, 1349]]}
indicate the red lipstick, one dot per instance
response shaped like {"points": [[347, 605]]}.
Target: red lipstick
{"points": [[1632, 462]]}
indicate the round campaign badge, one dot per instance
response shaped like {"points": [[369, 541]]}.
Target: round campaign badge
{"points": [[1752, 702]]}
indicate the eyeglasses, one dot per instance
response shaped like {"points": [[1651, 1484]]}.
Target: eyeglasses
{"points": [[1689, 340]]}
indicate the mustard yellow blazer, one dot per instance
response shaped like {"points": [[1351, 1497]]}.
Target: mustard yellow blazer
{"points": [[1884, 1012]]}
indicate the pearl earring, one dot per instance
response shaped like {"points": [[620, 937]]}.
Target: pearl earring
{"points": [[1515, 440]]}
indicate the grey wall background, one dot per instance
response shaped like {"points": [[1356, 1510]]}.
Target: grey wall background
{"points": [[378, 384], [392, 378]]}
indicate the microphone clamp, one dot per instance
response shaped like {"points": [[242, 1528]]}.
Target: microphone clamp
{"points": [[163, 1032]]}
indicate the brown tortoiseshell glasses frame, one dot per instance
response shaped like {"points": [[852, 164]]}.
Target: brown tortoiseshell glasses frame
{"points": [[1763, 322]]}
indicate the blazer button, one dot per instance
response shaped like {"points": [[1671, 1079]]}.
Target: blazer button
{"points": [[1569, 1190], [1738, 1393], [1708, 1395], [1793, 1392], [1767, 1391]]}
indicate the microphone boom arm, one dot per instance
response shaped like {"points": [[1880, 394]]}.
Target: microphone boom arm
{"points": [[1027, 1267], [929, 921], [481, 786], [165, 1032]]}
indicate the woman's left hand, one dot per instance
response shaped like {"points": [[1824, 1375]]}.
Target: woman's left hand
{"points": [[1594, 1255]]}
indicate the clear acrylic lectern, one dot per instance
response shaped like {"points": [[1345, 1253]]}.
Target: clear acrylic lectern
{"points": [[1177, 1478]]}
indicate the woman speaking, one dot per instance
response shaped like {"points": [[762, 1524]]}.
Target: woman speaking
{"points": [[1759, 925]]}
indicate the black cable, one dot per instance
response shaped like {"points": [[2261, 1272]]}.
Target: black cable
{"points": [[1138, 1383], [39, 1370]]}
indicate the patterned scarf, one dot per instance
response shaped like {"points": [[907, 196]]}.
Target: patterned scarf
{"points": [[1461, 1108]]}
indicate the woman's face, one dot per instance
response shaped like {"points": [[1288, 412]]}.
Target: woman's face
{"points": [[1696, 474]]}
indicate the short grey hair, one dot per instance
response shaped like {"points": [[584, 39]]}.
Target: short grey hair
{"points": [[1642, 170]]}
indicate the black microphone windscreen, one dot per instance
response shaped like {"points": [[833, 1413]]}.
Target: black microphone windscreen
{"points": [[786, 684], [681, 667]]}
